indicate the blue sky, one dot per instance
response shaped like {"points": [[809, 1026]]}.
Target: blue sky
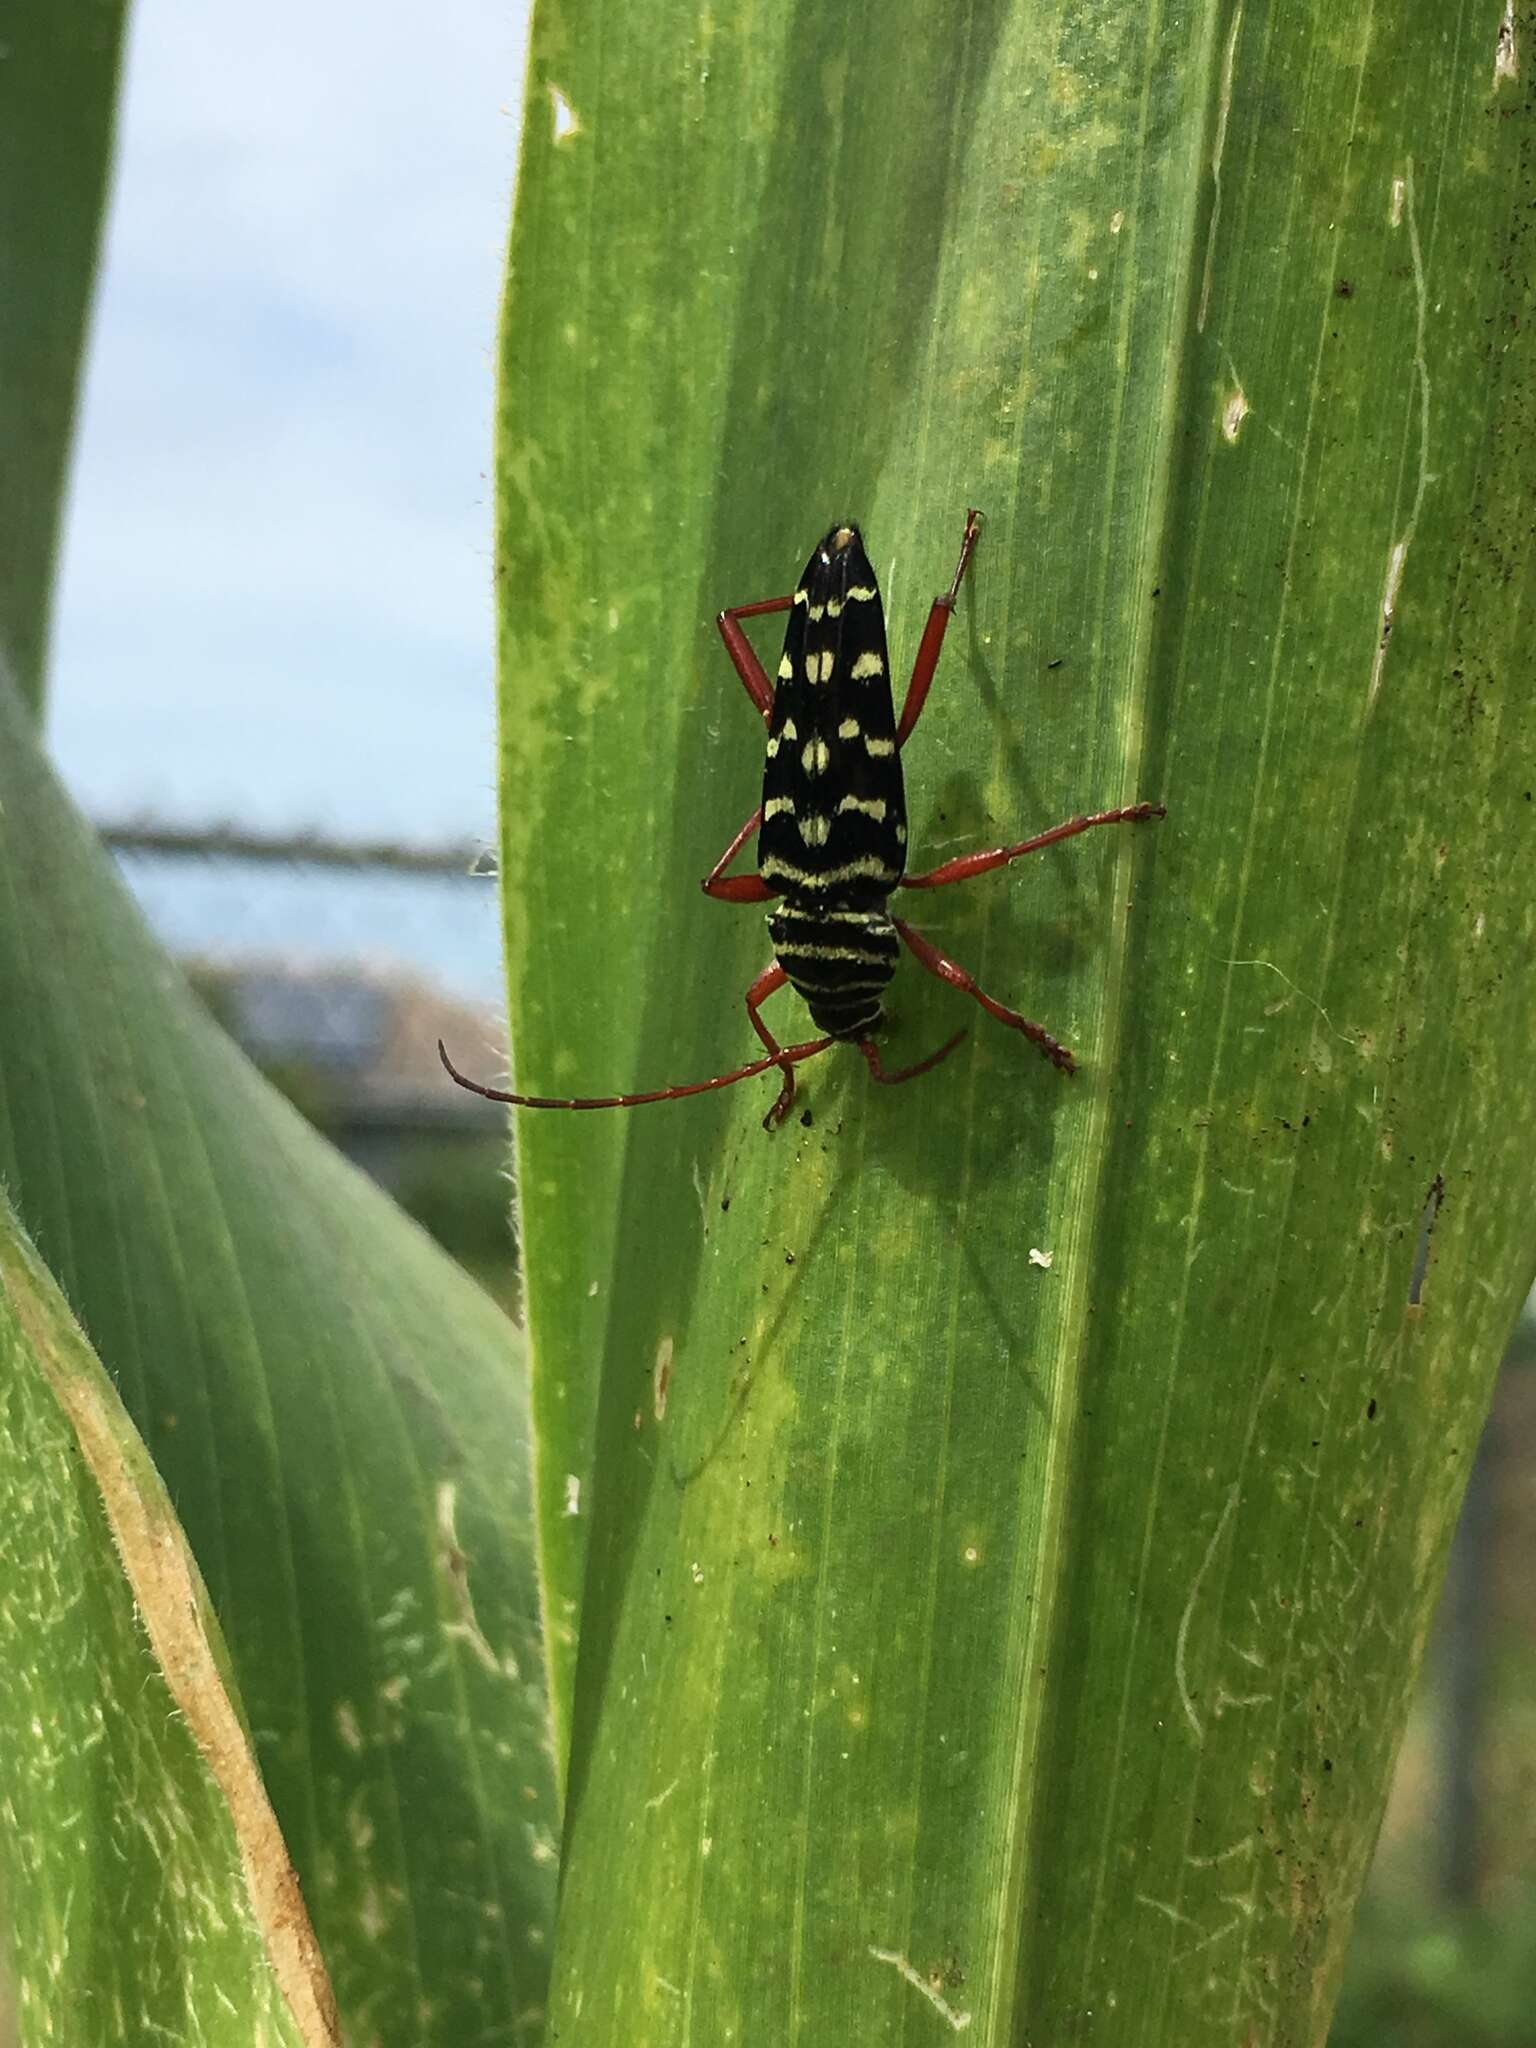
{"points": [[275, 592]]}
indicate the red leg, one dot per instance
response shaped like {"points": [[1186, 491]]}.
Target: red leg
{"points": [[948, 970], [754, 677], [768, 983], [741, 889], [738, 888], [871, 1053], [968, 864], [932, 642]]}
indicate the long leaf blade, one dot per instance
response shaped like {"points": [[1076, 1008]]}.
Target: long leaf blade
{"points": [[340, 1418], [147, 1887], [967, 1640], [58, 103]]}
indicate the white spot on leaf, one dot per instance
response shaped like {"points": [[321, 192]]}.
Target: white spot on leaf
{"points": [[566, 123], [1218, 148], [929, 1987], [1505, 61]]}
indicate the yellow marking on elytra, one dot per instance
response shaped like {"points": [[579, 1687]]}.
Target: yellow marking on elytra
{"points": [[901, 835], [869, 868], [878, 749], [849, 729], [814, 756], [799, 597], [786, 669], [834, 607], [861, 593], [780, 871], [818, 665], [814, 830], [868, 664], [871, 806], [773, 746], [789, 732], [776, 806]]}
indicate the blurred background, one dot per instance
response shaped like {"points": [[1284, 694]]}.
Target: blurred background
{"points": [[272, 658], [272, 691]]}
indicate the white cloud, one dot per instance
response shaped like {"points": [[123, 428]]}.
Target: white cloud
{"points": [[276, 589]]}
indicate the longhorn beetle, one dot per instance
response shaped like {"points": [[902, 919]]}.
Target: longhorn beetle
{"points": [[832, 827]]}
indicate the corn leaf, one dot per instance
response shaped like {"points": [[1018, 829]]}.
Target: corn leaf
{"points": [[339, 1417], [989, 1529], [58, 100], [147, 1889]]}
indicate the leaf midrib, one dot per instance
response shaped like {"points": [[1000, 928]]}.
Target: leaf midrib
{"points": [[1041, 1601]]}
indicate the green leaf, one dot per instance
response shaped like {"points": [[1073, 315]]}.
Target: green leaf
{"points": [[58, 96], [146, 1885], [965, 1641], [337, 1413]]}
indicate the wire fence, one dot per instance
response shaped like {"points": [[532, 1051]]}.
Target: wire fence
{"points": [[337, 965]]}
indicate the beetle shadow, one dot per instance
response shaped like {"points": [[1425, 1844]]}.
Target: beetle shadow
{"points": [[1013, 1095], [989, 1275], [1048, 910], [768, 1350], [988, 1292]]}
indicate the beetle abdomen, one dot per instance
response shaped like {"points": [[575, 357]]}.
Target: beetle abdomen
{"points": [[839, 960]]}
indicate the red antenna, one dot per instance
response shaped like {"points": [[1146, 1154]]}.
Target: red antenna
{"points": [[789, 1056]]}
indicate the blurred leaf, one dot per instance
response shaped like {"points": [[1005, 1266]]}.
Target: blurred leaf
{"points": [[966, 1642], [1424, 1976], [340, 1419], [148, 1891], [58, 95]]}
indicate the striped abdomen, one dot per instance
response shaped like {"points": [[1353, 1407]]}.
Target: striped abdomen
{"points": [[839, 960]]}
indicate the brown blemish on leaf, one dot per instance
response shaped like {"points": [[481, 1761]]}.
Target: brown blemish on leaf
{"points": [[172, 1604], [661, 1377]]}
